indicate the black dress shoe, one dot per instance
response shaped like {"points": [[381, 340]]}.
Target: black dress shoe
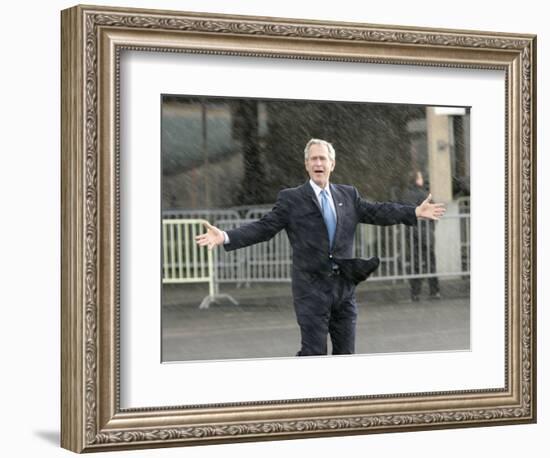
{"points": [[357, 269]]}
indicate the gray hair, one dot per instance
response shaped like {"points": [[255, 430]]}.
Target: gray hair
{"points": [[317, 141]]}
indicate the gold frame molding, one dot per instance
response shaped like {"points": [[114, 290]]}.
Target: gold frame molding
{"points": [[92, 40]]}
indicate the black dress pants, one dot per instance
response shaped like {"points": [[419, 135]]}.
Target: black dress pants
{"points": [[325, 306]]}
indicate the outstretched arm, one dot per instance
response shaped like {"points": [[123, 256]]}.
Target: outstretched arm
{"points": [[428, 210], [388, 213], [384, 213], [248, 234]]}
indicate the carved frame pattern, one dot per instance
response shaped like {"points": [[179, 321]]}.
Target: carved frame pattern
{"points": [[83, 404]]}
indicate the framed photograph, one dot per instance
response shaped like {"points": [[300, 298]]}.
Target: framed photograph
{"points": [[226, 158], [193, 146]]}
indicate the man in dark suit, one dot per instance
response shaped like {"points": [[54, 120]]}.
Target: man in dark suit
{"points": [[320, 220]]}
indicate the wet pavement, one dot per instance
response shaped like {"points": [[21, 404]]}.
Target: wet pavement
{"points": [[263, 325]]}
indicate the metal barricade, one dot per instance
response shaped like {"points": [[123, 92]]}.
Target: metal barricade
{"points": [[464, 209], [405, 252], [230, 265], [256, 212], [270, 261], [263, 262], [211, 215], [382, 242], [183, 261]]}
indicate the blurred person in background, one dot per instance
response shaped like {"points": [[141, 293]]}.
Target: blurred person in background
{"points": [[421, 243]]}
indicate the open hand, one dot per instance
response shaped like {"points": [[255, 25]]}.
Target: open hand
{"points": [[428, 210], [211, 238]]}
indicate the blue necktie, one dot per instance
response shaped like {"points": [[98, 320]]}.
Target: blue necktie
{"points": [[328, 216]]}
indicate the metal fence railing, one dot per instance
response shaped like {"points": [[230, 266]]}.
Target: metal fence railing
{"points": [[207, 214], [405, 252], [264, 262], [183, 261]]}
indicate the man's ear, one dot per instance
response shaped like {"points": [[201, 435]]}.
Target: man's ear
{"points": [[333, 165]]}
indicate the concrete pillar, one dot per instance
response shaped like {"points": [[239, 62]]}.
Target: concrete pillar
{"points": [[439, 155], [447, 231]]}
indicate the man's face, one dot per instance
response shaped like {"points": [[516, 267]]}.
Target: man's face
{"points": [[319, 165]]}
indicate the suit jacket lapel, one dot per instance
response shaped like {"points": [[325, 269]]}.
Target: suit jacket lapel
{"points": [[338, 206], [311, 193]]}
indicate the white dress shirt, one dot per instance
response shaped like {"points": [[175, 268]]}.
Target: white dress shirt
{"points": [[317, 189]]}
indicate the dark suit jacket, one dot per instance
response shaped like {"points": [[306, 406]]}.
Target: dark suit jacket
{"points": [[297, 211]]}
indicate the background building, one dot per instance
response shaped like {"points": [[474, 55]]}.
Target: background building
{"points": [[227, 152]]}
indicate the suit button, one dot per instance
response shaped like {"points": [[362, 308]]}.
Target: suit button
{"points": [[330, 256]]}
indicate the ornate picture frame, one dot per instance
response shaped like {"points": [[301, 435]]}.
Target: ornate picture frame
{"points": [[93, 39]]}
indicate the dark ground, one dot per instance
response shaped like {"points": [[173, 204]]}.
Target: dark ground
{"points": [[263, 325]]}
